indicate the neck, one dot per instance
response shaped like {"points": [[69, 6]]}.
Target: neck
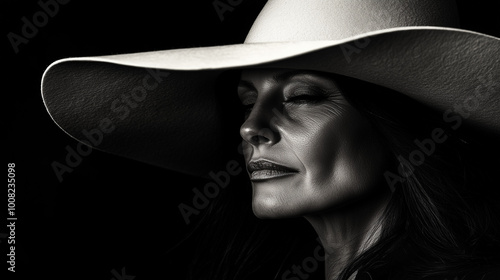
{"points": [[348, 231]]}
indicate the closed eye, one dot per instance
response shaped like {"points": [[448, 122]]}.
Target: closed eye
{"points": [[309, 94], [305, 98]]}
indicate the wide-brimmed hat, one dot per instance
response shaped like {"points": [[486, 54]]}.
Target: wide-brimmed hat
{"points": [[162, 107]]}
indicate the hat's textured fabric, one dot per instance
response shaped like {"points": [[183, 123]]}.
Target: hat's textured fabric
{"points": [[172, 117]]}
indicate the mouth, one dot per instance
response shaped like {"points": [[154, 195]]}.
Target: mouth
{"points": [[260, 170]]}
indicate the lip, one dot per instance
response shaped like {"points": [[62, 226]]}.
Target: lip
{"points": [[260, 170]]}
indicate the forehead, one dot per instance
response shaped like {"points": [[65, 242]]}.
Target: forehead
{"points": [[260, 76], [256, 74]]}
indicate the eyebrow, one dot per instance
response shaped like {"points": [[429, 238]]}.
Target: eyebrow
{"points": [[281, 77], [284, 76]]}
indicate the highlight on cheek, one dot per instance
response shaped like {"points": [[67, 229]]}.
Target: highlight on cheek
{"points": [[303, 123]]}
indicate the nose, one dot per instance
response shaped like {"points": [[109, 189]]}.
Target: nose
{"points": [[259, 128]]}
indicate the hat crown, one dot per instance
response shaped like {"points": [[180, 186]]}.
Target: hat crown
{"points": [[313, 20]]}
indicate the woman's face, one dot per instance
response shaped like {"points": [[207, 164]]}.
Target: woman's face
{"points": [[306, 148]]}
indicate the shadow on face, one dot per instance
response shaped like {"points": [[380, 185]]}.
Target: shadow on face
{"points": [[307, 150]]}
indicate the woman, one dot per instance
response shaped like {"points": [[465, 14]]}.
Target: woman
{"points": [[359, 118], [328, 148], [314, 160]]}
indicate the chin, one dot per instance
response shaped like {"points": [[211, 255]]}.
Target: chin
{"points": [[270, 208], [270, 213], [274, 208], [270, 205], [266, 208]]}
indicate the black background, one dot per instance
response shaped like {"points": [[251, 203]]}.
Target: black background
{"points": [[109, 213]]}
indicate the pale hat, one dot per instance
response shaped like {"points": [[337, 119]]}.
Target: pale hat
{"points": [[162, 107]]}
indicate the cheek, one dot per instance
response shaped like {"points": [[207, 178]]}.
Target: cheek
{"points": [[319, 139], [342, 157]]}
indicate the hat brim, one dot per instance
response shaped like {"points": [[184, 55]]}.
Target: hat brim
{"points": [[161, 108]]}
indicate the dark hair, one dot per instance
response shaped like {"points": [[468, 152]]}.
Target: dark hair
{"points": [[440, 222]]}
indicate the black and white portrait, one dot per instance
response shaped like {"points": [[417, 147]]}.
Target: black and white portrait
{"points": [[238, 139]]}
